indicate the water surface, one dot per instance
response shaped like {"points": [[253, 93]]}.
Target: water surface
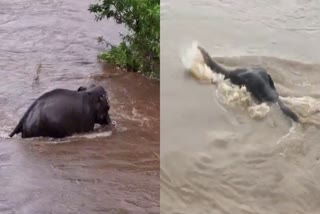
{"points": [[216, 158], [53, 44]]}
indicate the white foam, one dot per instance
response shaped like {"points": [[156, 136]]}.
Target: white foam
{"points": [[228, 93], [96, 135], [193, 61], [307, 108], [259, 111]]}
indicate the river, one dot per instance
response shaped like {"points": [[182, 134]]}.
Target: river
{"points": [[215, 158], [48, 44]]}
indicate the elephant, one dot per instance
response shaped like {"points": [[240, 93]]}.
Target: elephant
{"points": [[257, 81], [61, 112]]}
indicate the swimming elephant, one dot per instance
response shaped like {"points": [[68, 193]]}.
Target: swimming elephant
{"points": [[257, 81], [61, 112]]}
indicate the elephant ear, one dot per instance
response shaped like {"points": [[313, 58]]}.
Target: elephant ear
{"points": [[100, 93], [271, 82], [104, 99], [82, 88]]}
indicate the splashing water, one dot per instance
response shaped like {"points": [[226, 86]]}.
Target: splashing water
{"points": [[194, 62], [306, 107], [228, 93]]}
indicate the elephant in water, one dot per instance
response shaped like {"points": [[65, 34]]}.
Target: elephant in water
{"points": [[257, 81], [61, 112]]}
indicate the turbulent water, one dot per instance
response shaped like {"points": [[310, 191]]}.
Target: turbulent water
{"points": [[53, 44], [218, 155]]}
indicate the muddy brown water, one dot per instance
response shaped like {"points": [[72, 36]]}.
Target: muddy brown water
{"points": [[93, 173], [215, 158]]}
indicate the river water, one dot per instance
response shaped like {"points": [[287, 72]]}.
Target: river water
{"points": [[47, 44], [216, 158]]}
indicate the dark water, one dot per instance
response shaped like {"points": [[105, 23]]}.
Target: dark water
{"points": [[55, 41]]}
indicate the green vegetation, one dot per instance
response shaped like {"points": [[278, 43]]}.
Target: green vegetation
{"points": [[139, 50]]}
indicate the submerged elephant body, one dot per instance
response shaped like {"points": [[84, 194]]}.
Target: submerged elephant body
{"points": [[61, 112], [257, 81]]}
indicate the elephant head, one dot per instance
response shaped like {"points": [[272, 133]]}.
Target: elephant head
{"points": [[101, 103]]}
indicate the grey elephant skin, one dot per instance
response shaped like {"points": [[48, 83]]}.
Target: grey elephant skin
{"points": [[61, 112], [257, 81]]}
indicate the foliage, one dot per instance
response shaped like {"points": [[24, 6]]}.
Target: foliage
{"points": [[140, 48]]}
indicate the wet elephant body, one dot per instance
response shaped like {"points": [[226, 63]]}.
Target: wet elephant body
{"points": [[61, 112], [257, 81]]}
